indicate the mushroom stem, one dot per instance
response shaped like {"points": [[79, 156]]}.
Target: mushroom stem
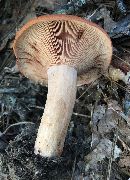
{"points": [[61, 96]]}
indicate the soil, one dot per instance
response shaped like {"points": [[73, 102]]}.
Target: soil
{"points": [[97, 145]]}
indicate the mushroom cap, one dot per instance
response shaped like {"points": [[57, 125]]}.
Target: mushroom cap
{"points": [[62, 39]]}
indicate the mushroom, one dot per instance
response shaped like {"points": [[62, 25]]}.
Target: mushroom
{"points": [[63, 51]]}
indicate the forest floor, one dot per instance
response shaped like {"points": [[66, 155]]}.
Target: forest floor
{"points": [[97, 145]]}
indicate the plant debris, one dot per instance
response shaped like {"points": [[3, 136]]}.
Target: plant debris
{"points": [[98, 141]]}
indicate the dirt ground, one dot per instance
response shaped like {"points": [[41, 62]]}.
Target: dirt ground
{"points": [[97, 145]]}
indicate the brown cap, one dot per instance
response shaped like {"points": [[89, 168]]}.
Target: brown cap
{"points": [[62, 39]]}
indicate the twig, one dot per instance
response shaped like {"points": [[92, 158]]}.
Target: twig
{"points": [[116, 83], [112, 154], [82, 115], [38, 107], [16, 124], [86, 90], [121, 114], [9, 90], [73, 170], [121, 59]]}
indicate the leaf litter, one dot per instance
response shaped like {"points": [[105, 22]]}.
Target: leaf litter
{"points": [[98, 141]]}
